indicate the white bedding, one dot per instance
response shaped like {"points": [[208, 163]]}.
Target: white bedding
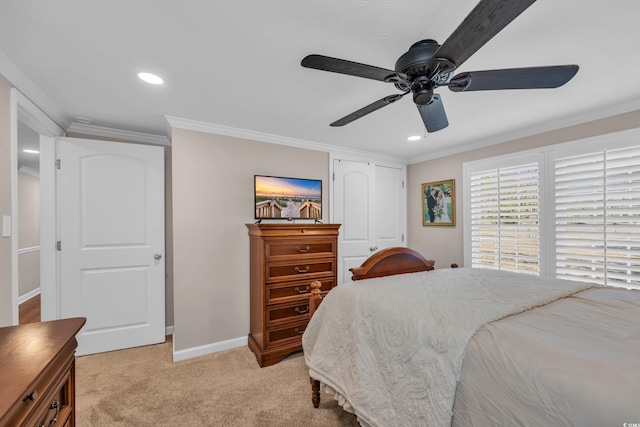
{"points": [[573, 362], [392, 348]]}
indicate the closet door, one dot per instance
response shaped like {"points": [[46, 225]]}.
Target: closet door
{"points": [[369, 202], [390, 207]]}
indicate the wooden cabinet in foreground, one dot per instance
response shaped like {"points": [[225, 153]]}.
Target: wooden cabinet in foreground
{"points": [[285, 259], [37, 373]]}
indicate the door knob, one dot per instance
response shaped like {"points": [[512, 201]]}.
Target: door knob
{"points": [[157, 256], [373, 248]]}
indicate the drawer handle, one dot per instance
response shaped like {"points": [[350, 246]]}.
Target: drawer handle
{"points": [[304, 291], [302, 250], [299, 331], [302, 271], [306, 310], [54, 405], [31, 396]]}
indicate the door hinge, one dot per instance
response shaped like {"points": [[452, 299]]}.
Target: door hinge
{"points": [[58, 245], [402, 184], [57, 163], [403, 237], [334, 176]]}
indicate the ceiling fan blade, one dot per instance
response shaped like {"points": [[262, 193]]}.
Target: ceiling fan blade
{"points": [[486, 20], [335, 65], [514, 78], [433, 114], [368, 109]]}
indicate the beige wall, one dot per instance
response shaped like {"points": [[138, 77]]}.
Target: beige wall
{"points": [[212, 202], [28, 233], [6, 317], [445, 244]]}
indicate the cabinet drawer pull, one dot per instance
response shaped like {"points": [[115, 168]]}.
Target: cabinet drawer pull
{"points": [[302, 271], [306, 310], [31, 396], [299, 331], [302, 250], [304, 291], [54, 405]]}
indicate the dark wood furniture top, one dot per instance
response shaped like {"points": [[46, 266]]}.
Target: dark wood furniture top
{"points": [[285, 258], [36, 370]]}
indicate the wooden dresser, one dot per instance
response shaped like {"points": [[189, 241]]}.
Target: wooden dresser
{"points": [[285, 259], [37, 373]]}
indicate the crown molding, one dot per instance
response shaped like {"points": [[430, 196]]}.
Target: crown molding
{"points": [[538, 129], [126, 135], [21, 82], [198, 126], [29, 171]]}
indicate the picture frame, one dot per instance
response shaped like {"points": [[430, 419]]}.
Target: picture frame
{"points": [[439, 207]]}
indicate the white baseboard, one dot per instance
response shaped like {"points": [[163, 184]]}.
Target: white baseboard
{"points": [[168, 330], [202, 350], [28, 295]]}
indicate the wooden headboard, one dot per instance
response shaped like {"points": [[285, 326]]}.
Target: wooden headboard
{"points": [[387, 262], [392, 261]]}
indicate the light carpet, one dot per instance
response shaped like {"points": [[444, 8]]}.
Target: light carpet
{"points": [[144, 387]]}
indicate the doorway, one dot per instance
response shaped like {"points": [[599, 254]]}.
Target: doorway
{"points": [[28, 219], [32, 129]]}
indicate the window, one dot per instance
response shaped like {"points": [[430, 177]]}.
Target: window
{"points": [[597, 217], [570, 211], [504, 219]]}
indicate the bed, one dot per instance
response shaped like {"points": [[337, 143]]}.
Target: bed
{"points": [[467, 347]]}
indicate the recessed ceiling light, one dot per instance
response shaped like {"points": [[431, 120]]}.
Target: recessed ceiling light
{"points": [[414, 138], [150, 78], [26, 150]]}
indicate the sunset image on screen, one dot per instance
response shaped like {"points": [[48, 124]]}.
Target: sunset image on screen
{"points": [[278, 197]]}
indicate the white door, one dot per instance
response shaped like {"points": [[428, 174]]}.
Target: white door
{"points": [[353, 196], [369, 202], [390, 207], [111, 234]]}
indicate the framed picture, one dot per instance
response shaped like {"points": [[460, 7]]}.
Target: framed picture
{"points": [[439, 203]]}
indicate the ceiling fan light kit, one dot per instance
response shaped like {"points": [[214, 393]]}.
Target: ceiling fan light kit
{"points": [[428, 65]]}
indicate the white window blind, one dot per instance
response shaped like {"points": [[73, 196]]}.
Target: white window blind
{"points": [[597, 217], [505, 220]]}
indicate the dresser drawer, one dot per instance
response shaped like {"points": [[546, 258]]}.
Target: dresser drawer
{"points": [[300, 248], [281, 313], [285, 335], [282, 292], [299, 269]]}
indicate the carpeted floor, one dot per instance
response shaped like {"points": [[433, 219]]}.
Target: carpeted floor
{"points": [[144, 387]]}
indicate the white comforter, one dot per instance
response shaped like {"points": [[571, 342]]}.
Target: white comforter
{"points": [[391, 348]]}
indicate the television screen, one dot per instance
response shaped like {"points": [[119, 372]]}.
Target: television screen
{"points": [[287, 198]]}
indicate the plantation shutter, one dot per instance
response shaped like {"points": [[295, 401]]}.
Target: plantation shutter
{"points": [[597, 217], [505, 220]]}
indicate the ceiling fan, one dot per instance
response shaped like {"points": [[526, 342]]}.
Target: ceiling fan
{"points": [[428, 65]]}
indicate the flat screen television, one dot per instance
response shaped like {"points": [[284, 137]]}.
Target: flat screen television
{"points": [[277, 197]]}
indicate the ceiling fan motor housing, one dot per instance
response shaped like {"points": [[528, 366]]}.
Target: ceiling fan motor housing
{"points": [[415, 61], [415, 64]]}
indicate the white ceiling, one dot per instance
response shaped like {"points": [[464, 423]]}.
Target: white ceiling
{"points": [[237, 64]]}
